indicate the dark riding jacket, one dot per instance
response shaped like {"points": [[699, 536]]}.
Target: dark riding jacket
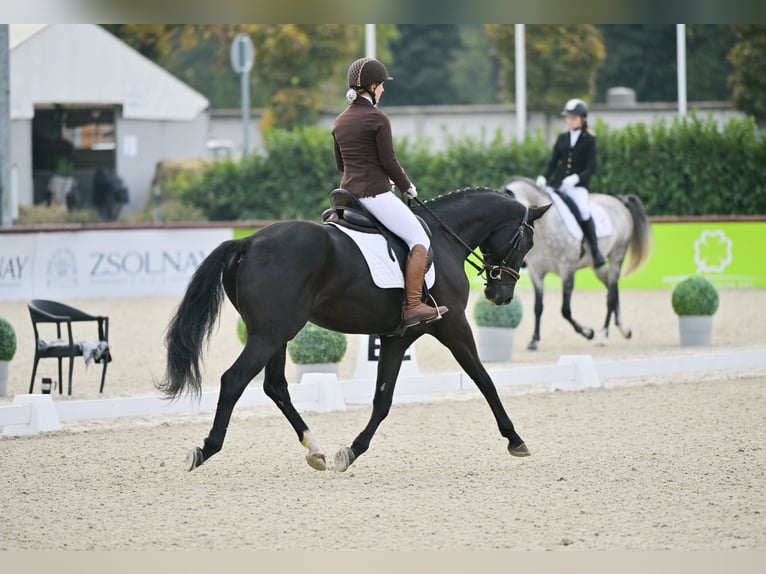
{"points": [[566, 160], [364, 151]]}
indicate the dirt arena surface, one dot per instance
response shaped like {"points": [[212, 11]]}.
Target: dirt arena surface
{"points": [[665, 463]]}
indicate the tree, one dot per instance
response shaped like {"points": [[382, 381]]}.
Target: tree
{"points": [[297, 70], [561, 62], [748, 79], [643, 57], [421, 58]]}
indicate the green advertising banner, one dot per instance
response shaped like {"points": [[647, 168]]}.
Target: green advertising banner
{"points": [[729, 254]]}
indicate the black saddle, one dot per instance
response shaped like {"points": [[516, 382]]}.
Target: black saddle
{"points": [[347, 211]]}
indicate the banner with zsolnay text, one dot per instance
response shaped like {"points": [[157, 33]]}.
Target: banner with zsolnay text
{"points": [[103, 263]]}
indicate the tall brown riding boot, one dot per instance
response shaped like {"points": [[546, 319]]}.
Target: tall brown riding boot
{"points": [[415, 311]]}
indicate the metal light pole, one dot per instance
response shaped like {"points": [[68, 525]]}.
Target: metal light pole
{"points": [[681, 55], [5, 128], [521, 82], [369, 40], [242, 58]]}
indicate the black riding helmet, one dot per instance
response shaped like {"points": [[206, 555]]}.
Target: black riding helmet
{"points": [[366, 71], [575, 107]]}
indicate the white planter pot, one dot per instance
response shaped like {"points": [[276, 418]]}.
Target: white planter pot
{"points": [[495, 344], [301, 370], [3, 378], [695, 330]]}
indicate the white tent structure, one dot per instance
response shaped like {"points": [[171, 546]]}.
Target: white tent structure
{"points": [[119, 110]]}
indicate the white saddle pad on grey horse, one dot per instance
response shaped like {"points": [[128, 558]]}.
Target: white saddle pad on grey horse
{"points": [[384, 271], [604, 227]]}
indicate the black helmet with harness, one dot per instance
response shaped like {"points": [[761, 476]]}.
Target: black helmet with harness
{"points": [[365, 72], [575, 107]]}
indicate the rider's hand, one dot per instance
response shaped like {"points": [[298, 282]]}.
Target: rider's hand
{"points": [[541, 181], [571, 180], [411, 192]]}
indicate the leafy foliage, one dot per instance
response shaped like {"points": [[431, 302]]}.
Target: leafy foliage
{"points": [[7, 340], [683, 167], [695, 296], [562, 62], [314, 345], [422, 55], [487, 314], [748, 81]]}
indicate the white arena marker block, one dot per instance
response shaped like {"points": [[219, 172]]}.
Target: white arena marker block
{"points": [[330, 395], [585, 375], [43, 417]]}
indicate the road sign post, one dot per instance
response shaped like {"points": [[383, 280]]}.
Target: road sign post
{"points": [[242, 58]]}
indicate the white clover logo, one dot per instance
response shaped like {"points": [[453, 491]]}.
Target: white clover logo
{"points": [[712, 252]]}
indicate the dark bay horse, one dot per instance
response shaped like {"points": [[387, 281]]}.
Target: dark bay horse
{"points": [[557, 251], [297, 271]]}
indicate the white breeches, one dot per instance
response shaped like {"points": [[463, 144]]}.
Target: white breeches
{"points": [[396, 216], [580, 197]]}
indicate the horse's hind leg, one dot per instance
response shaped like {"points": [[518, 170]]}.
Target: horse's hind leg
{"points": [[613, 301], [566, 307], [537, 282], [275, 387], [392, 351], [233, 383]]}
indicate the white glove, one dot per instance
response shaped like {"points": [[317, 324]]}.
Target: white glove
{"points": [[411, 192], [570, 180], [541, 181]]}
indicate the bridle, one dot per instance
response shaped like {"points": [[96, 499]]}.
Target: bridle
{"points": [[493, 272]]}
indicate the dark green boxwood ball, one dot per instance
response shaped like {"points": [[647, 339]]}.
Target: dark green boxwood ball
{"points": [[317, 345], [487, 314], [7, 340], [695, 296]]}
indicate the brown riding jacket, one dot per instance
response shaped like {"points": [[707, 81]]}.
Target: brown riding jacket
{"points": [[364, 151]]}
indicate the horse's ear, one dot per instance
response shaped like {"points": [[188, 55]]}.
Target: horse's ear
{"points": [[537, 212]]}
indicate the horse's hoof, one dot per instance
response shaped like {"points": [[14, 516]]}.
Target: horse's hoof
{"points": [[520, 450], [343, 459], [603, 336], [588, 333], [532, 346], [316, 460], [627, 333], [194, 459]]}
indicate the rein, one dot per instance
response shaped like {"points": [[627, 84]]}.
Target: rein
{"points": [[494, 272]]}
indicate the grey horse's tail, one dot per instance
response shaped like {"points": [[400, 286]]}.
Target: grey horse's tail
{"points": [[641, 238]]}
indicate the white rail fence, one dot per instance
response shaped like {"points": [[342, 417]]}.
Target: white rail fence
{"points": [[323, 392]]}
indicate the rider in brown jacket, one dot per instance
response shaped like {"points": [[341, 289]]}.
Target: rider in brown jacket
{"points": [[364, 152]]}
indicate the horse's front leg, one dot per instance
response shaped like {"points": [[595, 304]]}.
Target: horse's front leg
{"points": [[392, 351], [275, 387], [458, 338], [566, 309]]}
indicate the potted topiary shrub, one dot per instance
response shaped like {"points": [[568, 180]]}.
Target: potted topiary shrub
{"points": [[695, 301], [316, 350], [7, 351], [496, 325]]}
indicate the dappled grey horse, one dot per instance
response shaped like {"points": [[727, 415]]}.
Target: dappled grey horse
{"points": [[557, 251]]}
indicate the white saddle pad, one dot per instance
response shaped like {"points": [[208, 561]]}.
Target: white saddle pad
{"points": [[603, 224], [385, 272]]}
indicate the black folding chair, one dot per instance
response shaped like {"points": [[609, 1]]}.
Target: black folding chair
{"points": [[43, 311]]}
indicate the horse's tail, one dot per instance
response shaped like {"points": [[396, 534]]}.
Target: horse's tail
{"points": [[194, 321], [641, 238]]}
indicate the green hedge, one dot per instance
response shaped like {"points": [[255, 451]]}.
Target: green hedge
{"points": [[684, 167]]}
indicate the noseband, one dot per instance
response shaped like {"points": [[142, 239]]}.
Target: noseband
{"points": [[495, 272]]}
